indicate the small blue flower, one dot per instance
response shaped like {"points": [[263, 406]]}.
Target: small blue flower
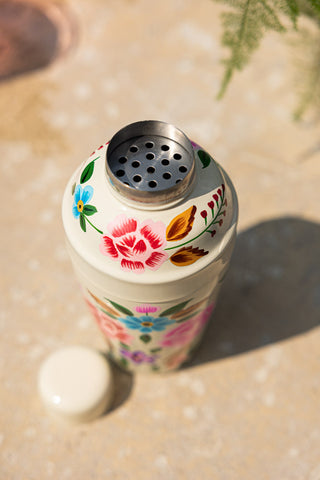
{"points": [[146, 324], [81, 197]]}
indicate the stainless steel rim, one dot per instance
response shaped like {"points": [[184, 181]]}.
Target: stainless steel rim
{"points": [[150, 162]]}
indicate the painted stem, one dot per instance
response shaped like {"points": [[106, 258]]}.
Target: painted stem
{"points": [[97, 229], [204, 231]]}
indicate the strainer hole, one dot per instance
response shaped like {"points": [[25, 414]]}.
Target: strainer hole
{"points": [[133, 148], [152, 184], [177, 156], [150, 156], [165, 161], [183, 169], [151, 169], [120, 173], [135, 164], [122, 160], [179, 180], [165, 148], [167, 176], [149, 144], [137, 178]]}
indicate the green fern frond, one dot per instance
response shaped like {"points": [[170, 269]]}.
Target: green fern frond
{"points": [[315, 6], [291, 9], [308, 72], [245, 26]]}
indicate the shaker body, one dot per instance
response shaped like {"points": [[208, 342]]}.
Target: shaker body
{"points": [[154, 310]]}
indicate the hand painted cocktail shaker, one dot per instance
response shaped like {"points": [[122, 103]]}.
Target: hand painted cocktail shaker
{"points": [[150, 220]]}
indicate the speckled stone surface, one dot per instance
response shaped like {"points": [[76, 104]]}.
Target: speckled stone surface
{"points": [[247, 407]]}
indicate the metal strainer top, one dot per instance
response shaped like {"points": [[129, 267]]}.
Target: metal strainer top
{"points": [[150, 162]]}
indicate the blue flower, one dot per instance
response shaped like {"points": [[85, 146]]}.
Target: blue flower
{"points": [[81, 197], [146, 324]]}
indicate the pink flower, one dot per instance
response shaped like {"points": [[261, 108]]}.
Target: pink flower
{"points": [[137, 246], [146, 308], [185, 332], [109, 326]]}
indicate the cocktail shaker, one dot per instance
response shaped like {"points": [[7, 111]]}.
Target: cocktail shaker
{"points": [[150, 221]]}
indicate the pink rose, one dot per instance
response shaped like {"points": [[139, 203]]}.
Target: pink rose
{"points": [[110, 327], [137, 246], [185, 332]]}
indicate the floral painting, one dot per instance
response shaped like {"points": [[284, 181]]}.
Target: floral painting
{"points": [[143, 245], [161, 338], [137, 246]]}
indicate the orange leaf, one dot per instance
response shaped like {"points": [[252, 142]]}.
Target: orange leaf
{"points": [[187, 311], [187, 256], [104, 305], [181, 225]]}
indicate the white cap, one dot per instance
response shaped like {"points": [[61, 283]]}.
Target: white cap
{"points": [[76, 384]]}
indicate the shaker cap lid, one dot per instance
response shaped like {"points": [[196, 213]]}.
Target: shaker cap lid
{"points": [[75, 383], [151, 162]]}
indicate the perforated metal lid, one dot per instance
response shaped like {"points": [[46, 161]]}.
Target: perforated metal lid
{"points": [[150, 162]]}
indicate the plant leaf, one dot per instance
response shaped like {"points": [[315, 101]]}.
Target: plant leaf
{"points": [[83, 222], [204, 158], [187, 255], [307, 71], [73, 188], [89, 210], [244, 27], [87, 172], [174, 309], [291, 9], [123, 345], [121, 309], [315, 6], [145, 338], [181, 225]]}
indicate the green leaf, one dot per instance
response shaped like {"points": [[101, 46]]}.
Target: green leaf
{"points": [[308, 72], [155, 368], [291, 9], [315, 5], [175, 309], [155, 350], [121, 308], [244, 28], [83, 222], [89, 210], [73, 188], [123, 345], [87, 172], [145, 338], [205, 158]]}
